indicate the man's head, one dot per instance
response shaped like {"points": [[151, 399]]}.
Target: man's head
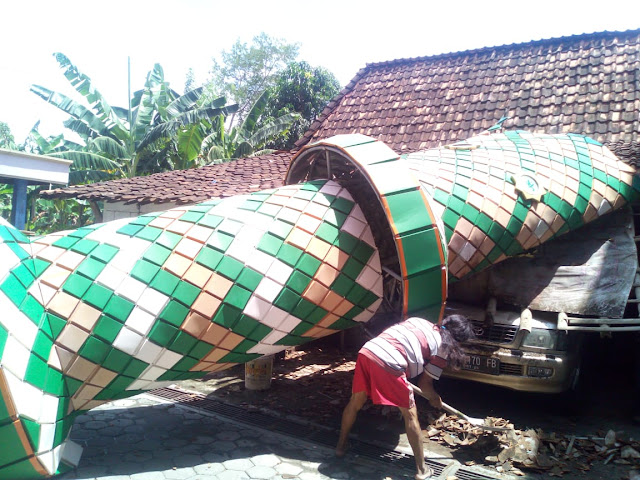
{"points": [[454, 330]]}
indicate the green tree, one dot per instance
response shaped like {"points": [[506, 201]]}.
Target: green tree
{"points": [[248, 70], [115, 132], [247, 139], [6, 137], [303, 89]]}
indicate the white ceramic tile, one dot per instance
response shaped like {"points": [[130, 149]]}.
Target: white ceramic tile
{"points": [[168, 359], [16, 322], [49, 410], [331, 188], [148, 352], [256, 308], [274, 317], [229, 226], [263, 349], [128, 341], [273, 337], [152, 373], [368, 277], [111, 277], [331, 217], [321, 199], [367, 237], [8, 260], [377, 287], [152, 301], [47, 460], [140, 385], [26, 398], [356, 212], [344, 193], [239, 250], [353, 226], [47, 434], [467, 251], [15, 358], [289, 323], [41, 292], [140, 320], [260, 261], [250, 234], [374, 262], [363, 316], [289, 215], [268, 289], [131, 289], [71, 453], [373, 308], [279, 271]]}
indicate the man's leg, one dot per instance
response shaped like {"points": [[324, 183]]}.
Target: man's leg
{"points": [[414, 435], [349, 414]]}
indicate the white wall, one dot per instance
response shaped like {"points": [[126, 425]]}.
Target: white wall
{"points": [[117, 210]]}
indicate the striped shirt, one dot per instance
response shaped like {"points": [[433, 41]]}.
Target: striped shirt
{"points": [[410, 347]]}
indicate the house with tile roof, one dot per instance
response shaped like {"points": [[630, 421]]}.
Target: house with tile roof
{"points": [[585, 84]]}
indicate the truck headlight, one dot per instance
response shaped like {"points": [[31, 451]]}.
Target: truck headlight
{"points": [[541, 338]]}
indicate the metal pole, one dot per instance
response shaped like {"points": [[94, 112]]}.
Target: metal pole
{"points": [[19, 204]]}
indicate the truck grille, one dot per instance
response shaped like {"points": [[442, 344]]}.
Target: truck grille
{"points": [[494, 333], [510, 369]]}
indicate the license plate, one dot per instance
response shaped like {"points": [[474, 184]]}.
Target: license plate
{"points": [[479, 363]]}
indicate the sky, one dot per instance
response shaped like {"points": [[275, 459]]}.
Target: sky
{"points": [[340, 35]]}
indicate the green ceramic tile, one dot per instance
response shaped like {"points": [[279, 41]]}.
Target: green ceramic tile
{"points": [[220, 241], [129, 229], [183, 343], [36, 373], [335, 218], [210, 221], [450, 219], [495, 232], [144, 271], [97, 296], [352, 268], [12, 449], [234, 357], [174, 313], [135, 368], [149, 233], [289, 254], [32, 309], [53, 324], [302, 328], [259, 332], [346, 242], [200, 350], [303, 309], [342, 205], [362, 252], [286, 300], [316, 315], [18, 250], [3, 340], [192, 216], [186, 293], [354, 312], [95, 349], [13, 289], [514, 226], [230, 267], [249, 278], [54, 384], [425, 289], [343, 324], [116, 361], [280, 229], [164, 282], [245, 325], [421, 251], [146, 218], [41, 346], [327, 232], [71, 386], [65, 242], [107, 328], [84, 246], [293, 340], [76, 285], [308, 264], [237, 297], [585, 191], [455, 204], [90, 267], [368, 299], [162, 333], [470, 212], [342, 285], [169, 239], [250, 205], [580, 205], [209, 257], [228, 315], [298, 281], [24, 275], [270, 244], [245, 345]]}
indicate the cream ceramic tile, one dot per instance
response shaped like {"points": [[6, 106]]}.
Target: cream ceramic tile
{"points": [[161, 222], [177, 264], [299, 238], [62, 304], [140, 321], [102, 377], [60, 359], [50, 253], [197, 275], [196, 324], [199, 233], [214, 334], [315, 292], [55, 276], [206, 304], [230, 226], [70, 260], [218, 285], [231, 341], [179, 227], [326, 274], [71, 337], [318, 248], [82, 369]]}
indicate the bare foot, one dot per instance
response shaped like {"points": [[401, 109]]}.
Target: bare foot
{"points": [[341, 450]]}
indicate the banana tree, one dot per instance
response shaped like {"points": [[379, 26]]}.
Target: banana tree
{"points": [[117, 133], [247, 139]]}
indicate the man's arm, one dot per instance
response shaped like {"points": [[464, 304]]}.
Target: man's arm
{"points": [[425, 382]]}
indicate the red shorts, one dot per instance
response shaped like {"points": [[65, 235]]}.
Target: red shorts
{"points": [[383, 387]]}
